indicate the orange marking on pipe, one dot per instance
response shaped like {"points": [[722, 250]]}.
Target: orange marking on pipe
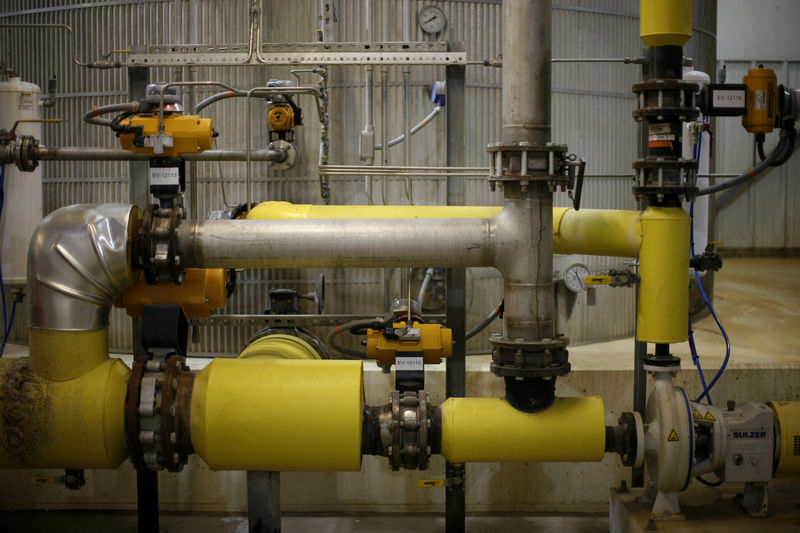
{"points": [[661, 144], [95, 110], [230, 93], [424, 122], [422, 293], [338, 330], [752, 173]]}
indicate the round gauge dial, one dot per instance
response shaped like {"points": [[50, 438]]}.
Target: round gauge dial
{"points": [[574, 275], [432, 19]]}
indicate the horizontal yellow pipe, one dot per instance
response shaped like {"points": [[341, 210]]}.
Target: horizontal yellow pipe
{"points": [[659, 237], [664, 268], [588, 231], [596, 232], [278, 414], [476, 430], [286, 210], [279, 346], [77, 423]]}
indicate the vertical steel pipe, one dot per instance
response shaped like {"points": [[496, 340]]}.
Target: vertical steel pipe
{"points": [[526, 70], [529, 301]]}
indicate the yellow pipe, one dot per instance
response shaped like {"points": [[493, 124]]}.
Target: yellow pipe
{"points": [[75, 423], [478, 430], [596, 232], [664, 269], [278, 414], [279, 346], [286, 210], [64, 355], [665, 22]]}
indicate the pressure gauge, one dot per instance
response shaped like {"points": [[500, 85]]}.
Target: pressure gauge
{"points": [[574, 276], [432, 19]]}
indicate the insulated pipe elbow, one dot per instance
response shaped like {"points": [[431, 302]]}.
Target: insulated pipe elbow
{"points": [[78, 261]]}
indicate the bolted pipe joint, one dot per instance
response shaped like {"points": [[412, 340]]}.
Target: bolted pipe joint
{"points": [[78, 262]]}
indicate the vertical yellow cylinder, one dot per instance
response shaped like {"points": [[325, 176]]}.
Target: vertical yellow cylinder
{"points": [[665, 22], [476, 430], [278, 414], [664, 269]]}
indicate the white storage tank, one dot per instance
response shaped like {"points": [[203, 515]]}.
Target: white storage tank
{"points": [[22, 208]]}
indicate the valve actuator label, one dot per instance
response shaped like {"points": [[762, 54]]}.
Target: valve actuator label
{"points": [[165, 176]]}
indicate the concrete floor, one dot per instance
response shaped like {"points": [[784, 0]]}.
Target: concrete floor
{"points": [[81, 522]]}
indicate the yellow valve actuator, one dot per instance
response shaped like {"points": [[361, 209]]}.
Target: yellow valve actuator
{"points": [[761, 102], [203, 290], [190, 134], [281, 118], [434, 342]]}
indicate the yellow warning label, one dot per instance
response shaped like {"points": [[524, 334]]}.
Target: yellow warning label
{"points": [[597, 280], [673, 436], [696, 414], [42, 480], [425, 483], [709, 416]]}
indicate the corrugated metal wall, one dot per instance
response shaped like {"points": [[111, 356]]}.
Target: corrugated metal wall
{"points": [[592, 106], [766, 215]]}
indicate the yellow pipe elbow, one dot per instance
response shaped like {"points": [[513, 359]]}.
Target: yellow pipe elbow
{"points": [[665, 22], [478, 430], [596, 232], [76, 423], [664, 269], [278, 414], [279, 346], [286, 210]]}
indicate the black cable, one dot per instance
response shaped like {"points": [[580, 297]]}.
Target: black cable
{"points": [[790, 134], [708, 483], [760, 146], [750, 174], [486, 321]]}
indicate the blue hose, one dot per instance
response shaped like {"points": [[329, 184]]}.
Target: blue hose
{"points": [[692, 347], [8, 329]]}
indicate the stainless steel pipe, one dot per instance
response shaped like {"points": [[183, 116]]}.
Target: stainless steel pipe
{"points": [[76, 153], [336, 243], [527, 259], [526, 70]]}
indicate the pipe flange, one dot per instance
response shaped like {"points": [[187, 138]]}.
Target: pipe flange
{"points": [[665, 98], [655, 178], [24, 153], [525, 163], [410, 423], [529, 359], [290, 157], [155, 245], [157, 414]]}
